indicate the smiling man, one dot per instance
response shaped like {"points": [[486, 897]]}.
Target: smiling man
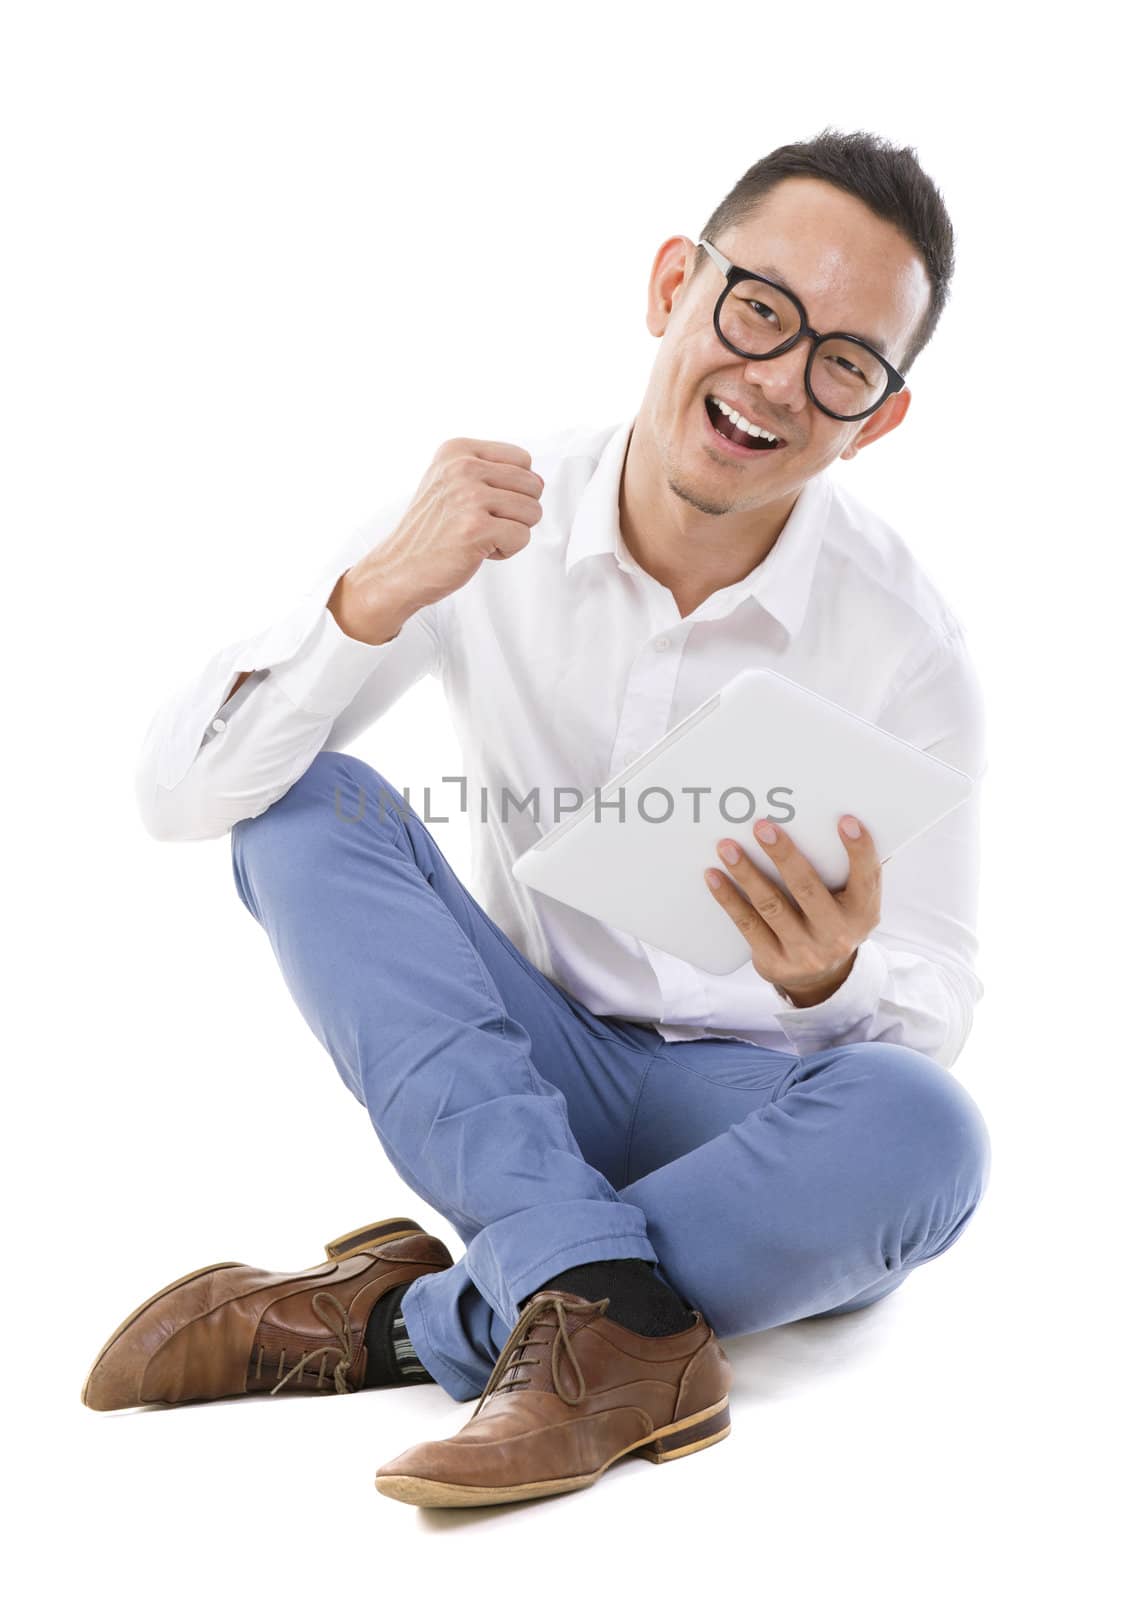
{"points": [[640, 1158], [703, 501]]}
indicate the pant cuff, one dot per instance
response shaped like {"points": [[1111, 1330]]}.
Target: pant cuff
{"points": [[457, 1382], [563, 1234]]}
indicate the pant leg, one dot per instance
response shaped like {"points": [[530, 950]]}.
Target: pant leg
{"points": [[471, 1064], [776, 1187]]}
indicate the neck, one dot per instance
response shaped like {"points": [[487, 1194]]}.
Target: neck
{"points": [[691, 550]]}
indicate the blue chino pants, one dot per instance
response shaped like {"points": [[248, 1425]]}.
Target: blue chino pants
{"points": [[763, 1185]]}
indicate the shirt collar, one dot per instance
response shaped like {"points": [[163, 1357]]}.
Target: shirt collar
{"points": [[781, 583]]}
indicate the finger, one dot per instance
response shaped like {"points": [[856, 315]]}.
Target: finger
{"points": [[515, 507], [519, 480], [509, 537], [801, 878], [862, 890], [765, 896], [500, 450], [757, 933]]}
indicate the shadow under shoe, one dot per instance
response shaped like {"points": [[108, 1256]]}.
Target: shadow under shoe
{"points": [[230, 1329]]}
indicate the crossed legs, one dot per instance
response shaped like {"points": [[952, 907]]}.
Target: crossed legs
{"points": [[765, 1186]]}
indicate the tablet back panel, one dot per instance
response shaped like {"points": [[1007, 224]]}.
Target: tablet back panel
{"points": [[635, 856]]}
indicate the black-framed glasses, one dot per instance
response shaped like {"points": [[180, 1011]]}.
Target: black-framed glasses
{"points": [[758, 319]]}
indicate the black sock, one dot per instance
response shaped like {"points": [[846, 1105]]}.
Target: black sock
{"points": [[391, 1358], [639, 1299]]}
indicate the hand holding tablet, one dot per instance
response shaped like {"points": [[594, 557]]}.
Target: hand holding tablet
{"points": [[763, 747], [805, 940]]}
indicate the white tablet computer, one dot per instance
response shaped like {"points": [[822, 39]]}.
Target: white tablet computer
{"points": [[635, 853]]}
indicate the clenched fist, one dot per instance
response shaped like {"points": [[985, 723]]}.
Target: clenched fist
{"points": [[477, 502]]}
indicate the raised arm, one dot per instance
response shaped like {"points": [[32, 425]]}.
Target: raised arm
{"points": [[236, 737]]}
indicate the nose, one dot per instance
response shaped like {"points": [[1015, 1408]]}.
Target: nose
{"points": [[783, 379]]}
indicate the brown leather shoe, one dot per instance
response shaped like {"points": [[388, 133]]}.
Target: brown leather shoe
{"points": [[595, 1391], [230, 1329]]}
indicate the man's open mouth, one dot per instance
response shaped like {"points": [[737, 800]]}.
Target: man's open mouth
{"points": [[738, 430]]}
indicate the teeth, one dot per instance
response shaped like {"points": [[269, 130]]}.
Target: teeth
{"points": [[742, 424]]}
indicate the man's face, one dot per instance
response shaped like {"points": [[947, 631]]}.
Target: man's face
{"points": [[853, 273]]}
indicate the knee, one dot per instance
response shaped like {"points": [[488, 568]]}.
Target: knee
{"points": [[924, 1116], [338, 798], [336, 786]]}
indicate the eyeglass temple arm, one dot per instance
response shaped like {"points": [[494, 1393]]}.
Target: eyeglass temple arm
{"points": [[721, 260]]}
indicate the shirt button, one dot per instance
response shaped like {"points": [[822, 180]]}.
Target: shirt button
{"points": [[661, 644], [218, 724]]}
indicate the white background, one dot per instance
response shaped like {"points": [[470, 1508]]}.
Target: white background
{"points": [[227, 227]]}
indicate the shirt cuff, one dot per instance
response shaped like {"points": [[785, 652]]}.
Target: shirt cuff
{"points": [[328, 669], [849, 1012]]}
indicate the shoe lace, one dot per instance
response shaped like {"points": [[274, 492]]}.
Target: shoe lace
{"points": [[333, 1314], [512, 1356]]}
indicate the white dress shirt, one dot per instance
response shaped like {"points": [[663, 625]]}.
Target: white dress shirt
{"points": [[561, 665]]}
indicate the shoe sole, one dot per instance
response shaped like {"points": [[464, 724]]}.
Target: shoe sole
{"points": [[682, 1438], [338, 1250]]}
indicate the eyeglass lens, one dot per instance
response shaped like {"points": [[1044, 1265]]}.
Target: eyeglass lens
{"points": [[845, 377]]}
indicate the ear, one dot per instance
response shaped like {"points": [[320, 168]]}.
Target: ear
{"points": [[669, 276], [889, 416]]}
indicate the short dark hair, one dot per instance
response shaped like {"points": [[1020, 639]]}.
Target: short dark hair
{"points": [[887, 178]]}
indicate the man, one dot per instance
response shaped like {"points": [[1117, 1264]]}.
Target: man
{"points": [[641, 1158]]}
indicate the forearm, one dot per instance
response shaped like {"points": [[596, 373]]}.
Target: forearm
{"points": [[312, 680], [200, 772]]}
